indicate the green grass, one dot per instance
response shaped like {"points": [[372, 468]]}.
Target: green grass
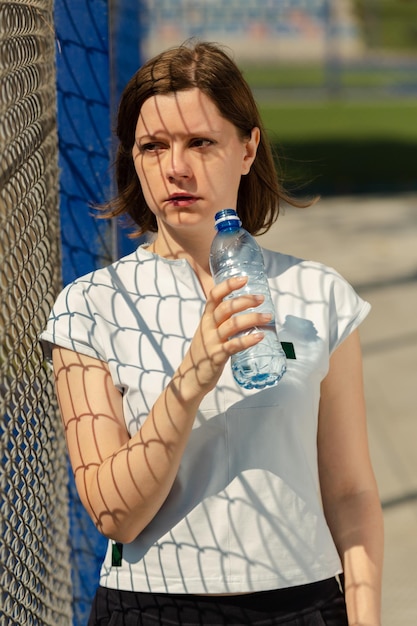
{"points": [[395, 120], [345, 147], [268, 75], [274, 76], [389, 24]]}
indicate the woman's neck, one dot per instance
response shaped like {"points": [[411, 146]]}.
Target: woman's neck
{"points": [[195, 251]]}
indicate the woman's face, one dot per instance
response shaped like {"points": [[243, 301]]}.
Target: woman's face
{"points": [[189, 159]]}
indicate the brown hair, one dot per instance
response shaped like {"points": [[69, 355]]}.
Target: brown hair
{"points": [[207, 67]]}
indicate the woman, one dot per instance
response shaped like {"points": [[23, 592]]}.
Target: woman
{"points": [[221, 505]]}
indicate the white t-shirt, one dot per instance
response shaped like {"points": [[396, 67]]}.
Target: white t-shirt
{"points": [[244, 513]]}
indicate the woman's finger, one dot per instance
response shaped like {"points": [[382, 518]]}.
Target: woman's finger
{"points": [[225, 288], [228, 308], [243, 323]]}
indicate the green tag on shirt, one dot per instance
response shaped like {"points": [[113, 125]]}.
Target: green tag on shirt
{"points": [[117, 554], [288, 348]]}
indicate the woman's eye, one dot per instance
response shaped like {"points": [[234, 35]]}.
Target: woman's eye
{"points": [[201, 143], [151, 147]]}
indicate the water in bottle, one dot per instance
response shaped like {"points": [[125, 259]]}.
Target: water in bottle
{"points": [[234, 252]]}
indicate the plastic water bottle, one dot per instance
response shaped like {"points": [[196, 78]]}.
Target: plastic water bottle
{"points": [[234, 252]]}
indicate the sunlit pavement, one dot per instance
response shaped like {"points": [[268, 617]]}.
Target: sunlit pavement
{"points": [[372, 241]]}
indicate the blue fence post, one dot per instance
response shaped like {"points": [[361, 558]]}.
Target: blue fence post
{"points": [[88, 79]]}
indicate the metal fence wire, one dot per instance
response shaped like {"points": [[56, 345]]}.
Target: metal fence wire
{"points": [[35, 577]]}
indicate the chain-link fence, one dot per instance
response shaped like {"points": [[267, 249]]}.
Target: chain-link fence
{"points": [[34, 562]]}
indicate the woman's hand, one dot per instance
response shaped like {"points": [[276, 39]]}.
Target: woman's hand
{"points": [[218, 335]]}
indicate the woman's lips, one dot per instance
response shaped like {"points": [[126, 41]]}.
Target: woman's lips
{"points": [[182, 199]]}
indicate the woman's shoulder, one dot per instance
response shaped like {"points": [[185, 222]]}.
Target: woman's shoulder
{"points": [[278, 264], [106, 276]]}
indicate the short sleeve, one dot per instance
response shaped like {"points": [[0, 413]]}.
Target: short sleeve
{"points": [[72, 323], [347, 310]]}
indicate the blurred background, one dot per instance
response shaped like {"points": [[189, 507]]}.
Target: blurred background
{"points": [[336, 81]]}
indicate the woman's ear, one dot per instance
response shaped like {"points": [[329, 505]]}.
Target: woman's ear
{"points": [[251, 147]]}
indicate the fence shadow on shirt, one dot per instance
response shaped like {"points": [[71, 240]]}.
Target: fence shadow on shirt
{"points": [[232, 471]]}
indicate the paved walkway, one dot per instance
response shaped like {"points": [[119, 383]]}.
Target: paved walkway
{"points": [[372, 241]]}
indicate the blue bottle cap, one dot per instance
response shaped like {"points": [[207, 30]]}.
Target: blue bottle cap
{"points": [[227, 218]]}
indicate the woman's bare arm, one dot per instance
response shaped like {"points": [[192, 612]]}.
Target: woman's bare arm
{"points": [[124, 481], [350, 496]]}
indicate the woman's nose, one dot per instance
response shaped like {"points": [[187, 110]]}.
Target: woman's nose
{"points": [[178, 166]]}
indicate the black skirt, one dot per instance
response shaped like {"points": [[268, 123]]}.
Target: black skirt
{"points": [[316, 604]]}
